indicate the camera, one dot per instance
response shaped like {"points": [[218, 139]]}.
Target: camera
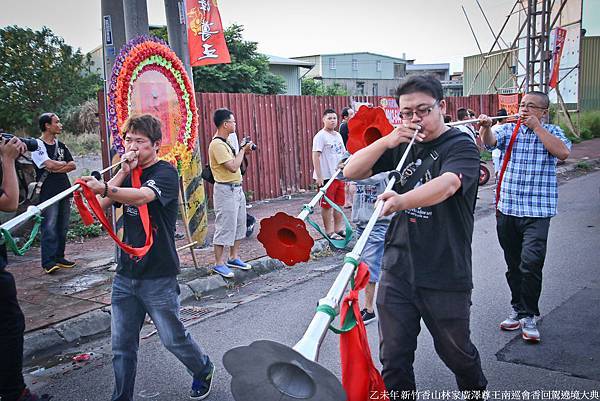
{"points": [[30, 143], [245, 140]]}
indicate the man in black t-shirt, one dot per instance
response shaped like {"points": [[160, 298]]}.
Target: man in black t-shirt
{"points": [[148, 283], [53, 161], [427, 261], [12, 321]]}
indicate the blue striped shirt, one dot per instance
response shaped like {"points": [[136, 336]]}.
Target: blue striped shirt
{"points": [[529, 187]]}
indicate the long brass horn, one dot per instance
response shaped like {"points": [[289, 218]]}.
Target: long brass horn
{"points": [[270, 371]]}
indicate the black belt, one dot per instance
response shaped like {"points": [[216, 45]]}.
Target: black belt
{"points": [[230, 184]]}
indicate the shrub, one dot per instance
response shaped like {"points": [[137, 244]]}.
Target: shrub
{"points": [[83, 144], [78, 231]]}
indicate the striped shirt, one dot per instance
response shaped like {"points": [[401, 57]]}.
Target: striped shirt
{"points": [[529, 187]]}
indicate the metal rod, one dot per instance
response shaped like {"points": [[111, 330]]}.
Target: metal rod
{"points": [[304, 213], [36, 210], [472, 31], [476, 120], [311, 341], [186, 246]]}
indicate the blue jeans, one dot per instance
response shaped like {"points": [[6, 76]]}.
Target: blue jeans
{"points": [[54, 231], [372, 254], [131, 300]]}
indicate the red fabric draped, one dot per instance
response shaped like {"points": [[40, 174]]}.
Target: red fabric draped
{"points": [[360, 377], [87, 218]]}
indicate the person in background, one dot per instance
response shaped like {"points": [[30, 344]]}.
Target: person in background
{"points": [[53, 161], [229, 200], [528, 200], [327, 151]]}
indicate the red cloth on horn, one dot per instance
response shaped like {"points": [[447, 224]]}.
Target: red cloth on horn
{"points": [[87, 218], [360, 377]]}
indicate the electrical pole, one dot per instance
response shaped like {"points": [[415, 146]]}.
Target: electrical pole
{"points": [[136, 18], [177, 30]]}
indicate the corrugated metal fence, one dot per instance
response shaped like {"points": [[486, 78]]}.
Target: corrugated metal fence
{"points": [[283, 128]]}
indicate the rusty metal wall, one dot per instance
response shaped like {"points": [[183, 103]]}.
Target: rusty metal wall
{"points": [[283, 127]]}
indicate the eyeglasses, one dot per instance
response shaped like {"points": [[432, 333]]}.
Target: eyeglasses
{"points": [[531, 106], [230, 121], [421, 112]]}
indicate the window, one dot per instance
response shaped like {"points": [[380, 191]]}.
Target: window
{"points": [[354, 64], [375, 89], [332, 63], [378, 65], [360, 88]]}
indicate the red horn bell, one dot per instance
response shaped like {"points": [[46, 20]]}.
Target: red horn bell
{"points": [[285, 238], [368, 125]]}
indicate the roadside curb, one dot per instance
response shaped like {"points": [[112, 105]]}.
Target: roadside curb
{"points": [[50, 340]]}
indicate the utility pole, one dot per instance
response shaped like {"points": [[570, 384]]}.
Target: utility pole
{"points": [[136, 18], [177, 30], [113, 33]]}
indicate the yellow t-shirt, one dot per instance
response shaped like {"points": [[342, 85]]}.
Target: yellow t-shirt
{"points": [[219, 152]]}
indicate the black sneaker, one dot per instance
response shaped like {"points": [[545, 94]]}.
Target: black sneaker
{"points": [[51, 268], [201, 388], [367, 316], [64, 263]]}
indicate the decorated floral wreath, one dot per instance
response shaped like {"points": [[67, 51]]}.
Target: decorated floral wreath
{"points": [[139, 55]]}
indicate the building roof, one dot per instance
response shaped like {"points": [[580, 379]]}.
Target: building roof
{"points": [[276, 60], [423, 67], [346, 54]]}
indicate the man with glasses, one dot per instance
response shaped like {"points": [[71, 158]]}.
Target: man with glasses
{"points": [[528, 198], [427, 258], [229, 200]]}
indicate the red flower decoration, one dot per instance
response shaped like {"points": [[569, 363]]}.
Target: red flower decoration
{"points": [[368, 125], [285, 238]]}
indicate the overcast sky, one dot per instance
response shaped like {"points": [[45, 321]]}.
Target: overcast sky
{"points": [[430, 31]]}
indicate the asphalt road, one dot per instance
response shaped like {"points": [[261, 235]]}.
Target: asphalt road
{"points": [[278, 306]]}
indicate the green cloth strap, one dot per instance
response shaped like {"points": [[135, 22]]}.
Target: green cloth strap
{"points": [[10, 242], [338, 243], [349, 323]]}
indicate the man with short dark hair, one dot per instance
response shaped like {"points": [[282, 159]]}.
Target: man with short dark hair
{"points": [[327, 151], [12, 321], [527, 202], [347, 114], [427, 271], [229, 200], [463, 114], [53, 161], [148, 283]]}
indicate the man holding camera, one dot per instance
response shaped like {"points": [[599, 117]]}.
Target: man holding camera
{"points": [[12, 321], [229, 200], [53, 161]]}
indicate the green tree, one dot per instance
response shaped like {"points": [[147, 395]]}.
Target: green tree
{"points": [[40, 73], [248, 71], [315, 87]]}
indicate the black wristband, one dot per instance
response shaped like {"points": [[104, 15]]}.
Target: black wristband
{"points": [[105, 194]]}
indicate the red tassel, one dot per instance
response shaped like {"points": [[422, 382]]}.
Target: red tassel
{"points": [[86, 216]]}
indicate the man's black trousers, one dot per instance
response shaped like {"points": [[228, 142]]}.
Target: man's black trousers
{"points": [[12, 326], [523, 240], [445, 313]]}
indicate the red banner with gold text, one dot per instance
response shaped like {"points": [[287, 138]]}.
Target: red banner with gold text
{"points": [[560, 34], [509, 102], [206, 40]]}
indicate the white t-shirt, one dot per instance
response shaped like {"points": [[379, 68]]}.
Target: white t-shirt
{"points": [[332, 149], [467, 129], [40, 155]]}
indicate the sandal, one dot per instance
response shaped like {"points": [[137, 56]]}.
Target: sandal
{"points": [[335, 236]]}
